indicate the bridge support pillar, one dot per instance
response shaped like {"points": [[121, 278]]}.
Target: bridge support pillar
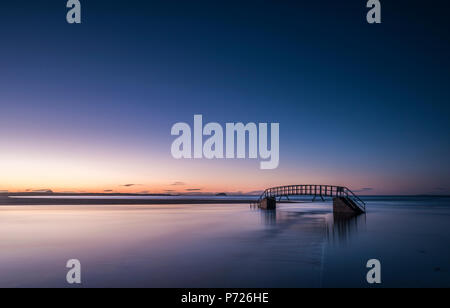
{"points": [[268, 203]]}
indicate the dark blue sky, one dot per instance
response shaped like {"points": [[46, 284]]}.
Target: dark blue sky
{"points": [[368, 102]]}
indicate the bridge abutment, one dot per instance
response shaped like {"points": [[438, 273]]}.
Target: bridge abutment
{"points": [[268, 203], [345, 206]]}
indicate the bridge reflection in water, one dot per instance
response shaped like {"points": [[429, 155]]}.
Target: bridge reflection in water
{"points": [[335, 227], [344, 226]]}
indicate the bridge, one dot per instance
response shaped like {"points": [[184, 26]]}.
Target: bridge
{"points": [[344, 200]]}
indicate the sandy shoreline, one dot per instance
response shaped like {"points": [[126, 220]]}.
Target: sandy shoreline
{"points": [[4, 200]]}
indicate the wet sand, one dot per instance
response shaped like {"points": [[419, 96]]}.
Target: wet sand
{"points": [[5, 200]]}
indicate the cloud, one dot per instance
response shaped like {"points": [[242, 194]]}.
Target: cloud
{"points": [[193, 189], [43, 191], [130, 185], [365, 189], [144, 192], [107, 190], [178, 183], [169, 190], [3, 191]]}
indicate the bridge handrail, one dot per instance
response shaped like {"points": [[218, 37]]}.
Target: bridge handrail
{"points": [[356, 199]]}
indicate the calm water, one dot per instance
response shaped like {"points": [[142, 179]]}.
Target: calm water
{"points": [[229, 245]]}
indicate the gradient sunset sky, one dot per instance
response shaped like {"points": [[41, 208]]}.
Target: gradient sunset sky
{"points": [[89, 108]]}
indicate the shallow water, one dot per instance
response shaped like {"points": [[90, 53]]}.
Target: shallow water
{"points": [[227, 245]]}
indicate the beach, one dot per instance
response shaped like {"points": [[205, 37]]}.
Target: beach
{"points": [[100, 199]]}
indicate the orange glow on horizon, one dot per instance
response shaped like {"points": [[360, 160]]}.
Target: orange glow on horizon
{"points": [[109, 171]]}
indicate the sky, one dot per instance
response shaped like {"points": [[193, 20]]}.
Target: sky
{"points": [[89, 107]]}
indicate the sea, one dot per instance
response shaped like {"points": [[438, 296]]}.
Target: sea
{"points": [[300, 244]]}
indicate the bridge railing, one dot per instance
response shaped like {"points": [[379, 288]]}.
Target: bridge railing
{"points": [[313, 190], [351, 195]]}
